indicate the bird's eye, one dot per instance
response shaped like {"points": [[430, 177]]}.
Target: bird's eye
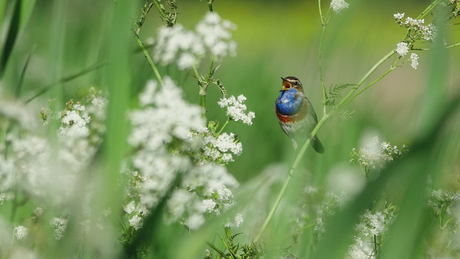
{"points": [[296, 83]]}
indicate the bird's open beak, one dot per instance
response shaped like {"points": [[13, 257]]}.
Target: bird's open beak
{"points": [[286, 84]]}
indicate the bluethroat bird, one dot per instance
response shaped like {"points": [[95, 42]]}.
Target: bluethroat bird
{"points": [[295, 113]]}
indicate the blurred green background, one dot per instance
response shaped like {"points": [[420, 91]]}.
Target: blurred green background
{"points": [[275, 38]]}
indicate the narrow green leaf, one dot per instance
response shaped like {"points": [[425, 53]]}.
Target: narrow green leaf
{"points": [[20, 16], [21, 79], [13, 31], [2, 12]]}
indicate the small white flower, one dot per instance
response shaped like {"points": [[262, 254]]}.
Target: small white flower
{"points": [[414, 22], [236, 221], [146, 97], [186, 60], [178, 201], [212, 18], [129, 208], [414, 60], [402, 49], [195, 221], [371, 224], [59, 225], [227, 142], [216, 35], [38, 211], [178, 40], [360, 250], [338, 5], [79, 107], [136, 222], [209, 205], [428, 32], [398, 16], [236, 109], [227, 157], [21, 232]]}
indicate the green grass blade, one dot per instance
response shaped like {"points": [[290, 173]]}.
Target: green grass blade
{"points": [[2, 12], [66, 79], [13, 31], [21, 78], [22, 11]]}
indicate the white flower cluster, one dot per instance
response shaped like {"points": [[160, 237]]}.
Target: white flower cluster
{"points": [[21, 232], [236, 109], [220, 149], [212, 33], [216, 35], [74, 134], [171, 138], [338, 5], [402, 49], [443, 201], [28, 165], [418, 29], [236, 222], [205, 189], [361, 250], [371, 225], [375, 155], [59, 225], [414, 60]]}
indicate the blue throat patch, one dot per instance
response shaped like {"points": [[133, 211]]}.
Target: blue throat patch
{"points": [[287, 103]]}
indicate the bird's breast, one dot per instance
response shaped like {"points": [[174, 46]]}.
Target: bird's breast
{"points": [[291, 112]]}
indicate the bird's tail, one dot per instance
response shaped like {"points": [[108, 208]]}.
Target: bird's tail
{"points": [[317, 146]]}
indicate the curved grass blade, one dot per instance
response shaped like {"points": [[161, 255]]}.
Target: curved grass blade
{"points": [[67, 79], [13, 31], [21, 79]]}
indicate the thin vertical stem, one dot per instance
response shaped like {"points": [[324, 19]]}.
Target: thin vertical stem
{"points": [[428, 9], [210, 5], [223, 127], [149, 59], [321, 67], [294, 166], [159, 8], [203, 90]]}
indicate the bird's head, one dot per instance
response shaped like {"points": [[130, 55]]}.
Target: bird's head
{"points": [[291, 82]]}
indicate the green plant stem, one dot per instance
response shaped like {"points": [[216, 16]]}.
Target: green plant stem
{"points": [[321, 67], [446, 47], [294, 166], [204, 86], [66, 79], [369, 85], [324, 22], [211, 64], [159, 8], [149, 59], [321, 13], [203, 90], [366, 76], [428, 9], [210, 5], [223, 127]]}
